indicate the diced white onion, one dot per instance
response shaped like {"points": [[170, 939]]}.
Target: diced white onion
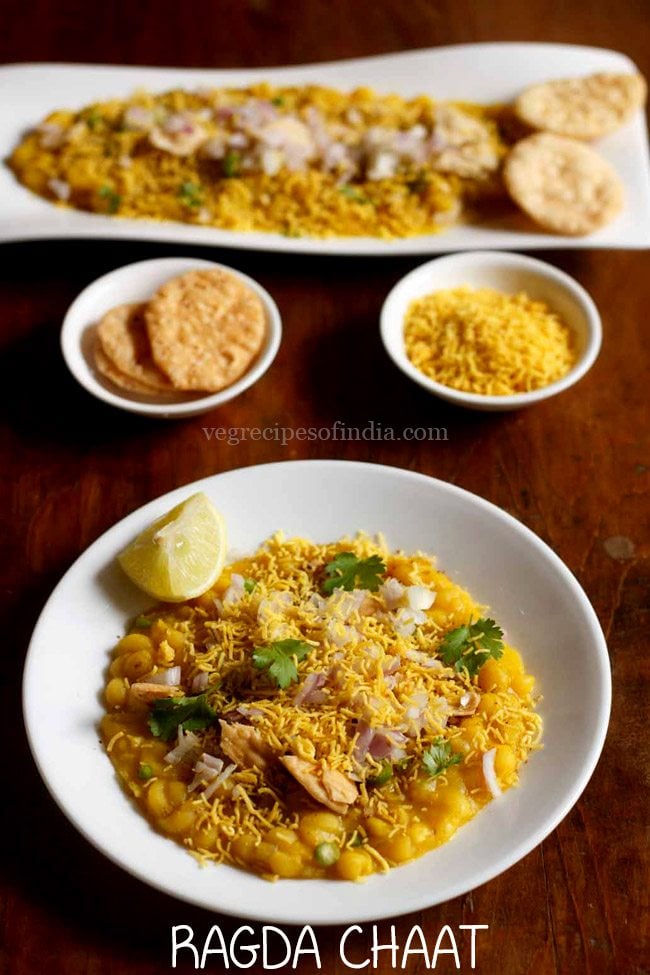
{"points": [[419, 597], [219, 781], [168, 677], [200, 682], [489, 773], [188, 745], [235, 590], [60, 188], [392, 592]]}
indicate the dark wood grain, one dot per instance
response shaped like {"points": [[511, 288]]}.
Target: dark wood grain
{"points": [[576, 470]]}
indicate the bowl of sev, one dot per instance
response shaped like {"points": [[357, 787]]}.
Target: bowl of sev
{"points": [[491, 330], [171, 337]]}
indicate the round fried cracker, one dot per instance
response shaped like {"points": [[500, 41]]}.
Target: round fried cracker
{"points": [[124, 339], [582, 108], [562, 184], [205, 329], [109, 371]]}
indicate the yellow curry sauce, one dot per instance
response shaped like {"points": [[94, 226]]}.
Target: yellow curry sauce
{"points": [[373, 700]]}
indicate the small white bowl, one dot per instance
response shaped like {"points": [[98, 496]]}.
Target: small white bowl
{"points": [[505, 272], [138, 282]]}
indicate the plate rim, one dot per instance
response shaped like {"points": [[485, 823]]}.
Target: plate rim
{"points": [[526, 846]]}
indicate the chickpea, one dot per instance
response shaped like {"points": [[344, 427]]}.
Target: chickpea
{"points": [[176, 639], [523, 684], [137, 664], [134, 643], [505, 764], [285, 864], [398, 848], [283, 838], [320, 827], [181, 820], [489, 705], [353, 865], [115, 693], [492, 676], [243, 847], [378, 828]]}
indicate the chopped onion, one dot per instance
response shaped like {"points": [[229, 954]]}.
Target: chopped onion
{"points": [[60, 188], [235, 590], [219, 781], [200, 682], [212, 761], [419, 597], [392, 592], [138, 118], [489, 773], [169, 677], [185, 750], [309, 692], [51, 135]]}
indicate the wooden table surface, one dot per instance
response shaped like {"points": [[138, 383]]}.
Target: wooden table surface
{"points": [[574, 469]]}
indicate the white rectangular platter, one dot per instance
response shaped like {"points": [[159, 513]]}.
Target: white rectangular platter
{"points": [[471, 72]]}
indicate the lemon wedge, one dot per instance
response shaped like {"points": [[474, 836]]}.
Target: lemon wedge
{"points": [[180, 555]]}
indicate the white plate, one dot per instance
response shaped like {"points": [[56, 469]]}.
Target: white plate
{"points": [[506, 272], [530, 591], [138, 282], [471, 72]]}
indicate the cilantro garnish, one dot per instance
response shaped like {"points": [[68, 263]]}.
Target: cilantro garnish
{"points": [[171, 713], [279, 659], [417, 185], [93, 118], [231, 164], [143, 621], [191, 194], [348, 572], [249, 585], [353, 194], [278, 101], [468, 647], [439, 757], [383, 776], [113, 199]]}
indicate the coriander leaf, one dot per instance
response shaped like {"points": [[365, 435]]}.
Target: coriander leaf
{"points": [[279, 659], [278, 101], [417, 185], [383, 776], [143, 621], [113, 199], [249, 585], [348, 572], [171, 713], [468, 647], [191, 194], [231, 164], [93, 118], [439, 757], [353, 194]]}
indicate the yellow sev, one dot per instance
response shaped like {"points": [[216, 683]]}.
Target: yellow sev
{"points": [[485, 341], [353, 649]]}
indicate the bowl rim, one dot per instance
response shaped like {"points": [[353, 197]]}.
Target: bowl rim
{"points": [[70, 342], [393, 344], [336, 916]]}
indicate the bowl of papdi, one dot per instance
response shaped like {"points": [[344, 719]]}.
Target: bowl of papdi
{"points": [[171, 337]]}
